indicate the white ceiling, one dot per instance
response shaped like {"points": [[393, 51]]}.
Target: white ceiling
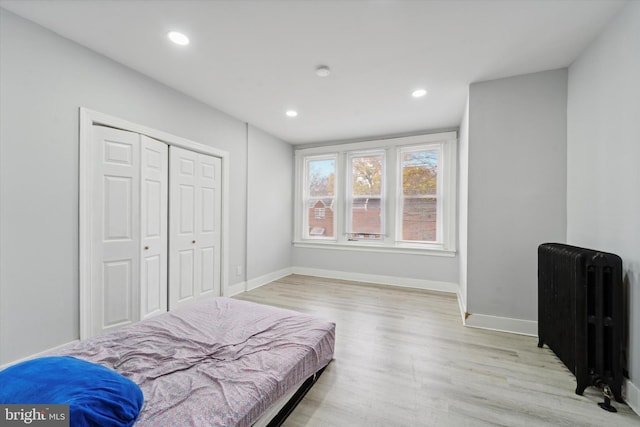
{"points": [[256, 59]]}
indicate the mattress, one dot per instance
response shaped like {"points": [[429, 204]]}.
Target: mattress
{"points": [[220, 362]]}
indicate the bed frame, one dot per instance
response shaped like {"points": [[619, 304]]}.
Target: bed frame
{"points": [[278, 413]]}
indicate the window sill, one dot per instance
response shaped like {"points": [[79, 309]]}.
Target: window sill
{"points": [[373, 247]]}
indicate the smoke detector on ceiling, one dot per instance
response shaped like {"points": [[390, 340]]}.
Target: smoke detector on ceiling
{"points": [[323, 71]]}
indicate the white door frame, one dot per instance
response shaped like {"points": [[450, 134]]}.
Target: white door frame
{"points": [[89, 118]]}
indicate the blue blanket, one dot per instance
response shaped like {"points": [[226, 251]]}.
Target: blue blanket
{"points": [[97, 395]]}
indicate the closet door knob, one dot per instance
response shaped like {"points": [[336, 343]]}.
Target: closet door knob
{"points": [[146, 248], [193, 241]]}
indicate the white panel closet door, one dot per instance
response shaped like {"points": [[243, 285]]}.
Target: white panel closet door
{"points": [[154, 171], [209, 201], [194, 229], [155, 237], [116, 230]]}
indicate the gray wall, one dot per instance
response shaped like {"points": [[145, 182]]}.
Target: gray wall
{"points": [[409, 266], [269, 230], [516, 188], [603, 203], [44, 79]]}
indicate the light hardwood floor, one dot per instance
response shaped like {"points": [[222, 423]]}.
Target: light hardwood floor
{"points": [[403, 358]]}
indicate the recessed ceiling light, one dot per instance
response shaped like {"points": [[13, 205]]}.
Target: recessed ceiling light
{"points": [[291, 113], [419, 93], [178, 38]]}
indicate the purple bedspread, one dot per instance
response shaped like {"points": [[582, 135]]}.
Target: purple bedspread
{"points": [[220, 362]]}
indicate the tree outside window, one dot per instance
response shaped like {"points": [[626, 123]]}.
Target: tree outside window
{"points": [[366, 205], [419, 200]]}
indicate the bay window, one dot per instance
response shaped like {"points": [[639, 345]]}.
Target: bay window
{"points": [[387, 195]]}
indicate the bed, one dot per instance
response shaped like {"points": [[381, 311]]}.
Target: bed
{"points": [[219, 362]]}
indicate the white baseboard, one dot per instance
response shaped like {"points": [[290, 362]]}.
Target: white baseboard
{"points": [[502, 324], [631, 395], [405, 282], [462, 305], [267, 278], [234, 289], [39, 354]]}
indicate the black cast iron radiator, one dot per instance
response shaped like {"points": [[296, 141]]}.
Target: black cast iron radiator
{"points": [[580, 313]]}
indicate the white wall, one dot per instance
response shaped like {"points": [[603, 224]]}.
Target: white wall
{"points": [[516, 190], [463, 206], [603, 204], [44, 79], [269, 230]]}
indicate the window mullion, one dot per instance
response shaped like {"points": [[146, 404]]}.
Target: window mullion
{"points": [[341, 191], [390, 204]]}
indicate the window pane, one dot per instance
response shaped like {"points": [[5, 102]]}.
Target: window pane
{"points": [[419, 172], [366, 175], [419, 217], [320, 214], [321, 177], [366, 196], [366, 218]]}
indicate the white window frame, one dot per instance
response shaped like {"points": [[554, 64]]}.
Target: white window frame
{"points": [[349, 195], [442, 172], [446, 242], [305, 232]]}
